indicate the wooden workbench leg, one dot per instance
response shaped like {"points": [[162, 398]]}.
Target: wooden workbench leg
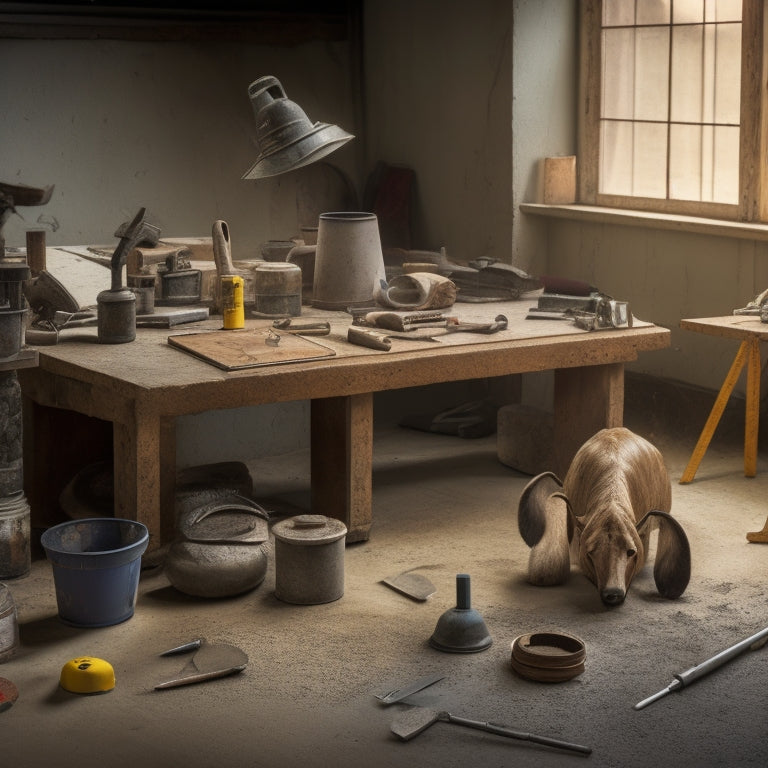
{"points": [[752, 418], [342, 461], [145, 474], [586, 400], [716, 413]]}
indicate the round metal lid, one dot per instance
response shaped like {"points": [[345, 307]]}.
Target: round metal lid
{"points": [[309, 530]]}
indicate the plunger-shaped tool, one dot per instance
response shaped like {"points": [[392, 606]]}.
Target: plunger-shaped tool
{"points": [[461, 629]]}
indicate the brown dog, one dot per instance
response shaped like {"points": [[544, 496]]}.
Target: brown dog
{"points": [[615, 493]]}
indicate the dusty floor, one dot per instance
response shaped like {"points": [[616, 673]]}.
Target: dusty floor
{"points": [[445, 506]]}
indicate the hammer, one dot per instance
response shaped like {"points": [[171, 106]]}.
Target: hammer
{"points": [[131, 234]]}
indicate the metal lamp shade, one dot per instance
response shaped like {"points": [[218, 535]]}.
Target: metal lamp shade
{"points": [[286, 137]]}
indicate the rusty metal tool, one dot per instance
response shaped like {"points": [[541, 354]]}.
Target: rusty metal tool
{"points": [[319, 328], [416, 720], [131, 233]]}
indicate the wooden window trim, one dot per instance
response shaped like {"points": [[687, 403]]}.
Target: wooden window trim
{"points": [[753, 177]]}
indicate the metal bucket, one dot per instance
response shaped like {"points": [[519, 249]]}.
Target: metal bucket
{"points": [[309, 559], [349, 262], [96, 566]]}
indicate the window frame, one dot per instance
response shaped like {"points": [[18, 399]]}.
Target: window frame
{"points": [[753, 137]]}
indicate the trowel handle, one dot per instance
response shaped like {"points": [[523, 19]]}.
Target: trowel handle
{"points": [[501, 730], [222, 250]]}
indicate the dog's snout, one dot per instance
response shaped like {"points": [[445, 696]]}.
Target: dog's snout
{"points": [[613, 596]]}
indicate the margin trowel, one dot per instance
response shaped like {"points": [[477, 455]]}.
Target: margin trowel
{"points": [[209, 662]]}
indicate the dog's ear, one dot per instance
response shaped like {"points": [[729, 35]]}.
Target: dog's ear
{"points": [[532, 506], [672, 568]]}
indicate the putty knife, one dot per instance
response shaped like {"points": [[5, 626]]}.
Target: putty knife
{"points": [[412, 585]]}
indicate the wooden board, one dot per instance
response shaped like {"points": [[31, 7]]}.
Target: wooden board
{"points": [[238, 349]]}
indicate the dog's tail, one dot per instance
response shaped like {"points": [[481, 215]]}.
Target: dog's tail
{"points": [[542, 519]]}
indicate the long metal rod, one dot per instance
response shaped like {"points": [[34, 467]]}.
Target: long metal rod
{"points": [[694, 673]]}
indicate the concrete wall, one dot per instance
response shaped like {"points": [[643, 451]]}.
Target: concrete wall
{"points": [[117, 125]]}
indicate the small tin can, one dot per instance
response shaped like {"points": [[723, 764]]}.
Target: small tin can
{"points": [[232, 302], [309, 559], [9, 626]]}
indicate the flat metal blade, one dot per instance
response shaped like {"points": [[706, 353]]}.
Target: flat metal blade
{"points": [[412, 585], [411, 723]]}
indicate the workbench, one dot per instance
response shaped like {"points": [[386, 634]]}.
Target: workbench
{"points": [[749, 331], [142, 386]]}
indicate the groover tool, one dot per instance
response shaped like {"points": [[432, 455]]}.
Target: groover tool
{"points": [[209, 662], [416, 720], [752, 643]]}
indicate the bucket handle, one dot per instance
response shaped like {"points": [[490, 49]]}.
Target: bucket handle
{"points": [[253, 533]]}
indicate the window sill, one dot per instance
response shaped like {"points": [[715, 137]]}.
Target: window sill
{"points": [[623, 217]]}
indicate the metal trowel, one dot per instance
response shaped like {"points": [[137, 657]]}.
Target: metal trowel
{"points": [[412, 585], [209, 662], [416, 720]]}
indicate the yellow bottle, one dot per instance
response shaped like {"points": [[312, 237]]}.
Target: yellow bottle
{"points": [[232, 304]]}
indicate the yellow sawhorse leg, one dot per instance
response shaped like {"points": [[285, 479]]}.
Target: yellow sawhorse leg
{"points": [[749, 352]]}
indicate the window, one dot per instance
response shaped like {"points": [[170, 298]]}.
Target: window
{"points": [[671, 107]]}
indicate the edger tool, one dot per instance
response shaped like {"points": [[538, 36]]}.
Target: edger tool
{"points": [[416, 720]]}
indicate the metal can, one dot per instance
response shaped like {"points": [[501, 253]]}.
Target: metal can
{"points": [[232, 302]]}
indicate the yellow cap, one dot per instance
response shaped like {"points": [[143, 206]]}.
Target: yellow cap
{"points": [[87, 674]]}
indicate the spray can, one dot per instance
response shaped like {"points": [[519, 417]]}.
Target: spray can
{"points": [[232, 303]]}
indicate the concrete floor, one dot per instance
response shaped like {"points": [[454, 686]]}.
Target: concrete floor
{"points": [[442, 505]]}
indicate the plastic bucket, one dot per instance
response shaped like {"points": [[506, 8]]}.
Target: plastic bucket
{"points": [[96, 565]]}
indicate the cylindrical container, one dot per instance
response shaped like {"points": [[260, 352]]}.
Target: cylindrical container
{"points": [[15, 550], [143, 288], [309, 235], [309, 559], [349, 263], [96, 565], [277, 288], [36, 253], [11, 453], [11, 331], [116, 316], [232, 301], [9, 625]]}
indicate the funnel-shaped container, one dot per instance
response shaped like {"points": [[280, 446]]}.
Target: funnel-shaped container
{"points": [[287, 138], [461, 629]]}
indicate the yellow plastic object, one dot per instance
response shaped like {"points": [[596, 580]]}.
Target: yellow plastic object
{"points": [[87, 674], [232, 306]]}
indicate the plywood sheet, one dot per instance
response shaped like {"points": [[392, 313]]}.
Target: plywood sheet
{"points": [[248, 348]]}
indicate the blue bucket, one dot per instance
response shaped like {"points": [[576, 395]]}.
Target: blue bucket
{"points": [[96, 564]]}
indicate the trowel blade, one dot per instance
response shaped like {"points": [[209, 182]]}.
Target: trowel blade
{"points": [[412, 585], [209, 662], [412, 722]]}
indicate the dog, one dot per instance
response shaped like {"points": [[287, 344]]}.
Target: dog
{"points": [[615, 493]]}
